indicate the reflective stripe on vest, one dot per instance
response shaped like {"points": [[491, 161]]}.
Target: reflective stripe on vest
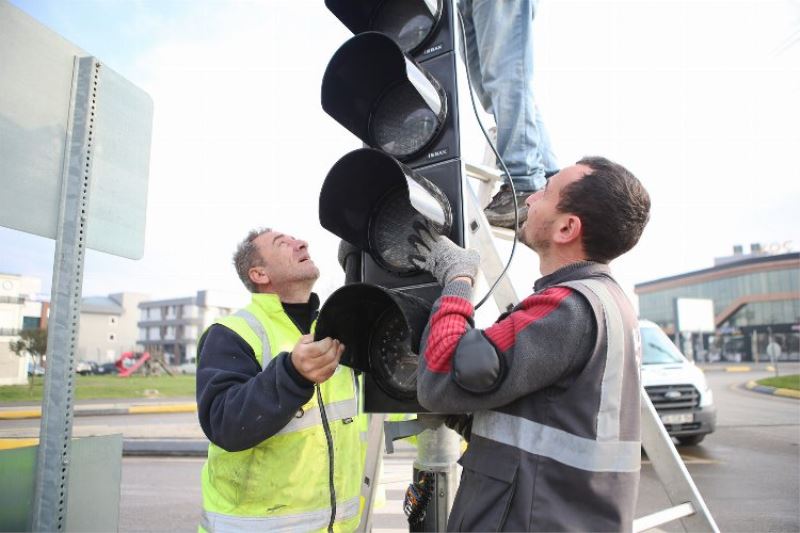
{"points": [[310, 521], [312, 417], [333, 411], [578, 452], [611, 386], [258, 329], [607, 453]]}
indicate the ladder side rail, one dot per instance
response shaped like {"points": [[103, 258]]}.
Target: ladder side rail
{"points": [[372, 470], [480, 239], [671, 471]]}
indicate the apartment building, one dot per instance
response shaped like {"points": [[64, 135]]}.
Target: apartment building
{"points": [[173, 327], [109, 326], [20, 309]]}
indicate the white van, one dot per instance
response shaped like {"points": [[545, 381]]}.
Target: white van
{"points": [[677, 388]]}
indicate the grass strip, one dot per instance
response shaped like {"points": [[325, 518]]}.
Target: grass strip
{"points": [[108, 387], [791, 382]]}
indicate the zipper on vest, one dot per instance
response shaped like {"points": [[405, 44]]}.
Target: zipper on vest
{"points": [[326, 427]]}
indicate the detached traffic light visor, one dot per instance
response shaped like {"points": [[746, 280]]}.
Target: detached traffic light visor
{"points": [[381, 330], [384, 98], [371, 200], [410, 23]]}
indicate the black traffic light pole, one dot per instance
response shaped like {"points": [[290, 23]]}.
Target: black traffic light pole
{"points": [[393, 85]]}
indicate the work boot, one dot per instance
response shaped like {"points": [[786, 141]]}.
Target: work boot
{"points": [[500, 211]]}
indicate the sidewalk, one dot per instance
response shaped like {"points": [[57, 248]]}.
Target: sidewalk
{"points": [[181, 435], [19, 426]]}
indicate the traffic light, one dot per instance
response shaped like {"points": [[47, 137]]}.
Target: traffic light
{"points": [[381, 330], [369, 198], [392, 85]]}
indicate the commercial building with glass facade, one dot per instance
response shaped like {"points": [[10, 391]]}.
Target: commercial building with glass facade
{"points": [[756, 302]]}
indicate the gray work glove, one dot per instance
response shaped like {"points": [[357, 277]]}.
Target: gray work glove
{"points": [[442, 257]]}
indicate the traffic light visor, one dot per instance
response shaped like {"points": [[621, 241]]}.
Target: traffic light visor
{"points": [[383, 97], [381, 330], [371, 200], [409, 22]]}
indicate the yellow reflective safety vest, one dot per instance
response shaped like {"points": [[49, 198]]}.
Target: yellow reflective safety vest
{"points": [[283, 483]]}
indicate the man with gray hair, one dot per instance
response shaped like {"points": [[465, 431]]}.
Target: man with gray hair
{"points": [[285, 453]]}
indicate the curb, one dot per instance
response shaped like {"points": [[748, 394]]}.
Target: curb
{"points": [[772, 391], [164, 448], [737, 369], [105, 411], [730, 368]]}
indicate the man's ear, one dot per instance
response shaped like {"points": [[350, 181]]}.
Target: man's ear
{"points": [[258, 275], [569, 229]]}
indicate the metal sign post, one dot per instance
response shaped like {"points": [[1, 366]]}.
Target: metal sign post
{"points": [[50, 489]]}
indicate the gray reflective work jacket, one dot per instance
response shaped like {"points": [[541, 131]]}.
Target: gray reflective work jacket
{"points": [[564, 456]]}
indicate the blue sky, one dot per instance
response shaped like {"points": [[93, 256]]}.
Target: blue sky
{"points": [[699, 99]]}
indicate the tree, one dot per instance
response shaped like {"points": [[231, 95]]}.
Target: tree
{"points": [[31, 342]]}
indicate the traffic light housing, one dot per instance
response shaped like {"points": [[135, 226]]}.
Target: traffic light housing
{"points": [[393, 86], [381, 330], [367, 194], [422, 28]]}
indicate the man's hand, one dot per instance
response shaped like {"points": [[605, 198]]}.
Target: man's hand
{"points": [[442, 257], [461, 424], [316, 361]]}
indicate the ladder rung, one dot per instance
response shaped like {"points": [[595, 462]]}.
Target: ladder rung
{"points": [[662, 517], [503, 233], [483, 173]]}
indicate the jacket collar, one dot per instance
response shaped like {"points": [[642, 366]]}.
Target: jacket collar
{"points": [[271, 303], [573, 271]]}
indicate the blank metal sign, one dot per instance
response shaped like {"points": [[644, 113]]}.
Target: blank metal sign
{"points": [[36, 69]]}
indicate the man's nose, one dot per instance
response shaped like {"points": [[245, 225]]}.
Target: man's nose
{"points": [[300, 245], [532, 198]]}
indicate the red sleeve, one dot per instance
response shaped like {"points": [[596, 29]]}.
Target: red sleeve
{"points": [[447, 326], [503, 334]]}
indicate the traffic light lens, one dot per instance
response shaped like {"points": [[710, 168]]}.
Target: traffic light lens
{"points": [[403, 123], [392, 360], [388, 241], [402, 21]]}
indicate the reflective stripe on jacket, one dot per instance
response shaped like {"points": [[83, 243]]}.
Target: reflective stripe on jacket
{"points": [[567, 457], [282, 483]]}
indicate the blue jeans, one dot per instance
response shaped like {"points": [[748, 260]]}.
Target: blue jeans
{"points": [[499, 35]]}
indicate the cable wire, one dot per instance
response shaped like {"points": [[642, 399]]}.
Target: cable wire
{"points": [[326, 428], [499, 159]]}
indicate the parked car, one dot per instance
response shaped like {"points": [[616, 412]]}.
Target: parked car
{"points": [[84, 368], [35, 370], [678, 389], [107, 368]]}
